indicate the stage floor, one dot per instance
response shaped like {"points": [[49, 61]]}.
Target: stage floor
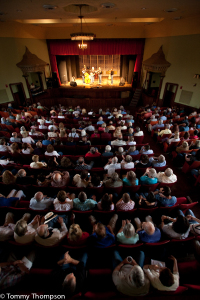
{"points": [[106, 84]]}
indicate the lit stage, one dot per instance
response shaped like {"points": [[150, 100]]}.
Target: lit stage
{"points": [[106, 84]]}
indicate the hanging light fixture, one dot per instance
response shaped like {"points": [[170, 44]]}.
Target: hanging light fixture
{"points": [[82, 35]]}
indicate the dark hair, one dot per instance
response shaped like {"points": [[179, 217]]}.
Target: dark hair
{"points": [[186, 135], [196, 132], [151, 197], [69, 287], [147, 147], [62, 195], [41, 177], [181, 224], [82, 196], [144, 158], [106, 202], [95, 180], [166, 191], [51, 163], [84, 174], [24, 146], [166, 277]]}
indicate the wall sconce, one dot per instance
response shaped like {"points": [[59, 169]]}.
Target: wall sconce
{"points": [[196, 76]]}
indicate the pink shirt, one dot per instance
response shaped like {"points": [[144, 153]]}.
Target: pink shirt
{"points": [[125, 206]]}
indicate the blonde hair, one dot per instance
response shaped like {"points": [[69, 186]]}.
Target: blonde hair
{"points": [[75, 232], [184, 145], [8, 177], [129, 230], [35, 158], [62, 132]]}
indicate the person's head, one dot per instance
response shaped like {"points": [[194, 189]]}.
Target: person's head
{"points": [[92, 150], [24, 146], [132, 149], [62, 132], [148, 227], [50, 148], [128, 159], [82, 196], [168, 172], [14, 134], [138, 276], [144, 159], [137, 129], [43, 231], [108, 148], [114, 160], [152, 173], [75, 232], [166, 191], [181, 225], [62, 195], [100, 231], [80, 160], [161, 158], [8, 177], [21, 227], [100, 119], [166, 277], [15, 147], [131, 138], [21, 173], [84, 175], [131, 176], [129, 230], [106, 202], [2, 141], [151, 197], [120, 150], [126, 197], [65, 162], [186, 135], [39, 196], [24, 134], [57, 178], [114, 177], [195, 132], [73, 130], [184, 145], [130, 130], [147, 147], [39, 145]]}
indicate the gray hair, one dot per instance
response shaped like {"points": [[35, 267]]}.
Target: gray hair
{"points": [[129, 230], [152, 172], [149, 228], [121, 149], [161, 158], [115, 176], [115, 160], [168, 172], [128, 159], [108, 148]]}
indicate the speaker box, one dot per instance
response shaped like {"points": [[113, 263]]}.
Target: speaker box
{"points": [[73, 83]]}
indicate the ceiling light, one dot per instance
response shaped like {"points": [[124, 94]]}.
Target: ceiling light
{"points": [[108, 5], [170, 10], [143, 8], [49, 7]]}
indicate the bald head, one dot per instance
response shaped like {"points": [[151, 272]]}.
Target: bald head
{"points": [[21, 173], [39, 196], [39, 145], [149, 228], [57, 178], [42, 230]]}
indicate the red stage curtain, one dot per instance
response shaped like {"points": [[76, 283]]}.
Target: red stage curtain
{"points": [[97, 47]]}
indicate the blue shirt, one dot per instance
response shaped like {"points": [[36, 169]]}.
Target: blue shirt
{"points": [[86, 205], [46, 142], [136, 152], [95, 241], [166, 202], [100, 122], [127, 182], [157, 125], [107, 154], [132, 121], [182, 128], [146, 238], [156, 163], [146, 180], [8, 201]]}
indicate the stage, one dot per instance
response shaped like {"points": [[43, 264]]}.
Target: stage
{"points": [[106, 84]]}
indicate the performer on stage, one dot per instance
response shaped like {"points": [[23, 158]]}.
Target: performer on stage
{"points": [[92, 76], [111, 74], [100, 75], [83, 74]]}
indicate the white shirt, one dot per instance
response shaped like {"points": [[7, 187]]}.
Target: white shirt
{"points": [[163, 178], [52, 134], [42, 127], [43, 204], [147, 152], [126, 165], [153, 276], [61, 117], [28, 140], [112, 166], [55, 238], [73, 134], [131, 143], [53, 126], [3, 148], [118, 143], [27, 151], [54, 153], [76, 112], [140, 133], [68, 205], [169, 231], [90, 128]]}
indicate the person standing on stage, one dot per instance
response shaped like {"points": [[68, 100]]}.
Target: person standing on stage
{"points": [[100, 75], [83, 74], [92, 76], [111, 74]]}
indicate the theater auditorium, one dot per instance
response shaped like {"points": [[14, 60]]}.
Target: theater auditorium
{"points": [[99, 149]]}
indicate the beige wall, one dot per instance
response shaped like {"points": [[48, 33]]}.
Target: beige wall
{"points": [[183, 54], [11, 52]]}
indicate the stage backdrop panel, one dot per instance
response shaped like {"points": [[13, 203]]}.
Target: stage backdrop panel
{"points": [[97, 47]]}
